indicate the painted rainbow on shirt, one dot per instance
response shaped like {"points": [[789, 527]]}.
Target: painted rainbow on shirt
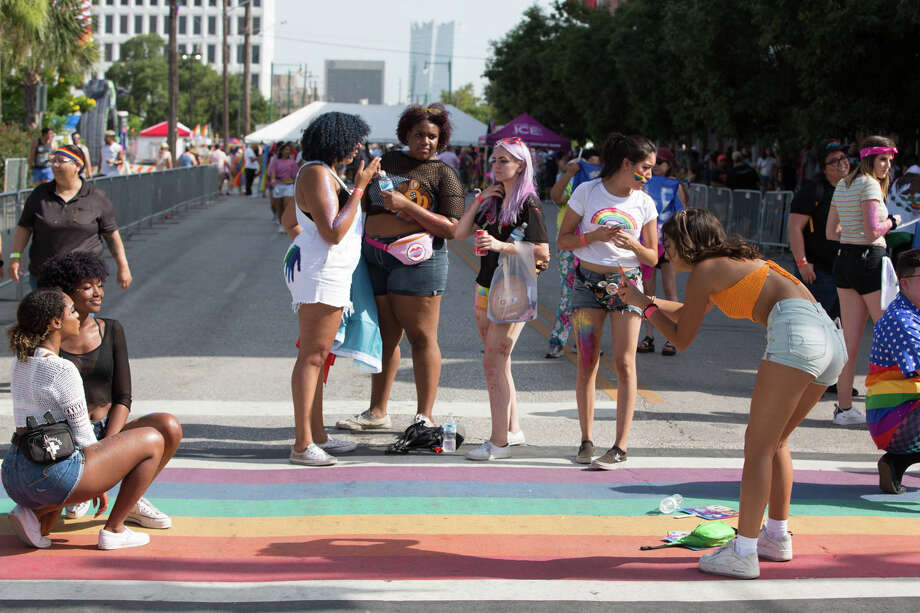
{"points": [[614, 218]]}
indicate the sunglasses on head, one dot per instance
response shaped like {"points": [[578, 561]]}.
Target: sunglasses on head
{"points": [[514, 140], [432, 110]]}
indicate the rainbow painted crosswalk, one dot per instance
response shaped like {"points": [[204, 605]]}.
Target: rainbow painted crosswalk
{"points": [[411, 522]]}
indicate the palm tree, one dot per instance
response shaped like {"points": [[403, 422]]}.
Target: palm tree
{"points": [[19, 20], [62, 44]]}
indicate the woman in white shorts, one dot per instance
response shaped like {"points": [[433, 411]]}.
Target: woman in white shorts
{"points": [[281, 175], [327, 226]]}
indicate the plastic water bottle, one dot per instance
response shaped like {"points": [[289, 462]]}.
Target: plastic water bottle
{"points": [[449, 444], [384, 182], [671, 503], [518, 233]]}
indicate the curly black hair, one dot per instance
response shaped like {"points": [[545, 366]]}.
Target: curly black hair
{"points": [[33, 320], [332, 137], [66, 271], [435, 113]]}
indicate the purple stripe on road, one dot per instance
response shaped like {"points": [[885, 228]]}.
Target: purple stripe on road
{"points": [[501, 474]]}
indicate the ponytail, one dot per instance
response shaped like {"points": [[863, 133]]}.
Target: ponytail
{"points": [[618, 147], [33, 320]]}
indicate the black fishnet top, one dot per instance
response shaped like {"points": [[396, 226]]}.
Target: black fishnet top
{"points": [[439, 179]]}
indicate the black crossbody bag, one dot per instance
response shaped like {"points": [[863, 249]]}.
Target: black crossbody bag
{"points": [[46, 443]]}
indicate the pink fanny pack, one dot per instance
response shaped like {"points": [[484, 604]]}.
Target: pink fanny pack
{"points": [[410, 250]]}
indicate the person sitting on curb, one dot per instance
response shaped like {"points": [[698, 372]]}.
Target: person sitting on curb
{"points": [[101, 356], [893, 384]]}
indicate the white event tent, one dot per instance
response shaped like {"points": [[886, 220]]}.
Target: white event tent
{"points": [[382, 119]]}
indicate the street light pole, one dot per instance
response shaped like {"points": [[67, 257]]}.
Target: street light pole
{"points": [[190, 58]]}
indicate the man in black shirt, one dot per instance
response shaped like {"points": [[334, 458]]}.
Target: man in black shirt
{"points": [[814, 253], [741, 175]]}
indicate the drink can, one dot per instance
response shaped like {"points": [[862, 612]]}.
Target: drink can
{"points": [[477, 250]]}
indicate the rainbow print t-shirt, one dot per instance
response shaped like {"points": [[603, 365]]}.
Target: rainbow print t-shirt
{"points": [[893, 383]]}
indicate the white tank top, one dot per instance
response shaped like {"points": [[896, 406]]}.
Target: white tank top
{"points": [[313, 246]]}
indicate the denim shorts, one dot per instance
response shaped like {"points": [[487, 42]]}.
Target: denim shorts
{"points": [[390, 276], [801, 335], [36, 485], [859, 267], [584, 298]]}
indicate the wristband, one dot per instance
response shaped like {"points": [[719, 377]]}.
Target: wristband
{"points": [[894, 223], [584, 241], [801, 263], [650, 308], [16, 254], [357, 191]]}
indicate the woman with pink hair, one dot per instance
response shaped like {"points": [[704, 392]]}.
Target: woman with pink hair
{"points": [[506, 205]]}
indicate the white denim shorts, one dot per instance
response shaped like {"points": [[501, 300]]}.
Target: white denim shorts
{"points": [[801, 335]]}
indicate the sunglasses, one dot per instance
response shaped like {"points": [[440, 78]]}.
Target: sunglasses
{"points": [[514, 140], [432, 110]]}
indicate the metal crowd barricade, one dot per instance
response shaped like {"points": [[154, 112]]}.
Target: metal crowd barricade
{"points": [[137, 199], [745, 213], [699, 194], [773, 221], [720, 204]]}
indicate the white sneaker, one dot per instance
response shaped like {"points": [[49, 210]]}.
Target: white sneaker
{"points": [[27, 527], [774, 549], [724, 561], [76, 511], [338, 445], [312, 456], [848, 417], [365, 421], [516, 438], [122, 540], [421, 418], [489, 451], [146, 515]]}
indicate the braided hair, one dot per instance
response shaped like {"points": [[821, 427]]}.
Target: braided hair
{"points": [[33, 320]]}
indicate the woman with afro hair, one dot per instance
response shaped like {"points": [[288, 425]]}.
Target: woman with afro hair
{"points": [[100, 354], [427, 199], [327, 226]]}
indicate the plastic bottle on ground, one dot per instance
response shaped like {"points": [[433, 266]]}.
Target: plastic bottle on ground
{"points": [[449, 444], [671, 504]]}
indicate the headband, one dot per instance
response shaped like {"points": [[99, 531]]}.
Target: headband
{"points": [[78, 160], [864, 153]]}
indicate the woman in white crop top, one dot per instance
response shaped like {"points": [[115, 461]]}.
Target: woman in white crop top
{"points": [[603, 225], [41, 382]]}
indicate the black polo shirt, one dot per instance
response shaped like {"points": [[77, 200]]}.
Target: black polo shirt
{"points": [[60, 227]]}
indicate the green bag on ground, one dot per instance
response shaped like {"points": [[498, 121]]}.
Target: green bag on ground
{"points": [[707, 534]]}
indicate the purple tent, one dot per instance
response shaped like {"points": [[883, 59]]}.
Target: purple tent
{"points": [[532, 132]]}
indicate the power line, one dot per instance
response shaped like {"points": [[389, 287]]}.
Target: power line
{"points": [[351, 46]]}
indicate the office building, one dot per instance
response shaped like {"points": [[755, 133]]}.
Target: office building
{"points": [[431, 52], [360, 82], [200, 30]]}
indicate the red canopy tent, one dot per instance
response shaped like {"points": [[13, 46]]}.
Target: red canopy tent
{"points": [[529, 130], [161, 130]]}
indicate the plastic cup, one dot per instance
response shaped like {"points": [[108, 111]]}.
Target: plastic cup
{"points": [[477, 250], [671, 503]]}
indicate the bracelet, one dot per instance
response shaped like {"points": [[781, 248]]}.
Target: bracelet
{"points": [[802, 262], [16, 254], [650, 308], [357, 191], [584, 241], [894, 223]]}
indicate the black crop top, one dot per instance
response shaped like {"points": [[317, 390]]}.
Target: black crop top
{"points": [[535, 232], [429, 183], [105, 371]]}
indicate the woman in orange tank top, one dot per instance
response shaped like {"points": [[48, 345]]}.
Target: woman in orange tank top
{"points": [[805, 353]]}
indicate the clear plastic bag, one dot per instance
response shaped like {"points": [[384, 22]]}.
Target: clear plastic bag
{"points": [[513, 293], [889, 282]]}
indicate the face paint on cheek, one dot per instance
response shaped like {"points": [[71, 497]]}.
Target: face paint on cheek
{"points": [[584, 330], [639, 178]]}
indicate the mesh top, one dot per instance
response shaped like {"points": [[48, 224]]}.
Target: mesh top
{"points": [[433, 176], [53, 384], [104, 370]]}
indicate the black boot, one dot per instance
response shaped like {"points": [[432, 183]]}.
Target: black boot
{"points": [[891, 469]]}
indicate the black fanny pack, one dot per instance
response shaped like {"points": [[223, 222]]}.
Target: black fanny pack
{"points": [[47, 443]]}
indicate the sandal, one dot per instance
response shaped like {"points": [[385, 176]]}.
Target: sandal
{"points": [[668, 349], [646, 346]]}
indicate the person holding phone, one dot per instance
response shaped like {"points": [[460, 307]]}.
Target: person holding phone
{"points": [[603, 225]]}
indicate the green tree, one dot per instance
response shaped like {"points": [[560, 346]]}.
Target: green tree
{"points": [[465, 100], [141, 74], [19, 20]]}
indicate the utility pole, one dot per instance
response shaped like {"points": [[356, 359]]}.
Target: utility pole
{"points": [[226, 58], [173, 78], [247, 66]]}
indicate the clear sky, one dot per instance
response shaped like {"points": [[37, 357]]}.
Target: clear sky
{"points": [[313, 31]]}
